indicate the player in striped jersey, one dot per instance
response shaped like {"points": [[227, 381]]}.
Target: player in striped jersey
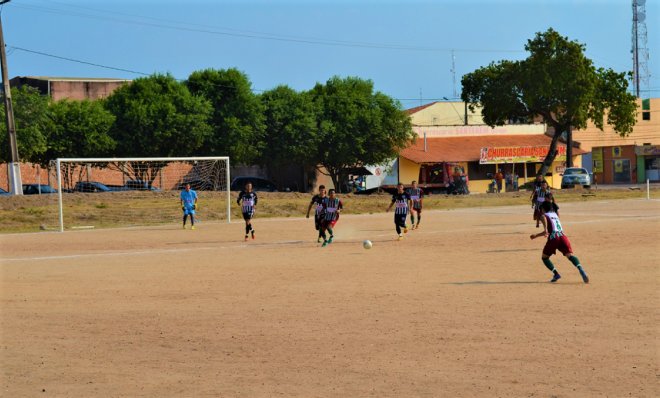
{"points": [[332, 206], [401, 202], [317, 202], [541, 195], [556, 241], [416, 195], [247, 199]]}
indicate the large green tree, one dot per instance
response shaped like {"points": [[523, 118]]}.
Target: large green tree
{"points": [[32, 125], [79, 129], [556, 83], [237, 119], [357, 126], [291, 133], [157, 116]]}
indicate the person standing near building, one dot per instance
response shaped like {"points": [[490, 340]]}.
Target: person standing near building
{"points": [[317, 203], [416, 195], [247, 199], [332, 206], [401, 201], [556, 241], [498, 180], [188, 199]]}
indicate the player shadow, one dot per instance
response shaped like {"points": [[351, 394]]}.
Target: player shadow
{"points": [[503, 233], [508, 250], [494, 283]]}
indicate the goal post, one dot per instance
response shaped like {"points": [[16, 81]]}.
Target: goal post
{"points": [[115, 192]]}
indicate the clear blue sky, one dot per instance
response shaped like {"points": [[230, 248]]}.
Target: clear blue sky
{"points": [[405, 47]]}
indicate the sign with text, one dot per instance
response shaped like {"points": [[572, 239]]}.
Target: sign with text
{"points": [[518, 154], [597, 159]]}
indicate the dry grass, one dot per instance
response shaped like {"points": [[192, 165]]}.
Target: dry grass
{"points": [[32, 213]]}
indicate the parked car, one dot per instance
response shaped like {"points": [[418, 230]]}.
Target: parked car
{"points": [[573, 176], [37, 189], [139, 185], [258, 184], [91, 186]]}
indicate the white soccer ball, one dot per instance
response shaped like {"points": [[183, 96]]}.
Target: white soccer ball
{"points": [[367, 244]]}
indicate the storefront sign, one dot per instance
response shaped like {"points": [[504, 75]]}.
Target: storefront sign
{"points": [[616, 151], [518, 154], [597, 159], [647, 150]]}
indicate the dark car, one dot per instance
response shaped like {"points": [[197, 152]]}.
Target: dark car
{"points": [[258, 184], [91, 186], [37, 189]]}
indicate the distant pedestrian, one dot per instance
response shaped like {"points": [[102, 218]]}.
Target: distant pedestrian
{"points": [[498, 180]]}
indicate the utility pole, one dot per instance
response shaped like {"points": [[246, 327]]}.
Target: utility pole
{"points": [[14, 172]]}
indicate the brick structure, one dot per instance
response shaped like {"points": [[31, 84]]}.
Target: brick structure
{"points": [[73, 88]]}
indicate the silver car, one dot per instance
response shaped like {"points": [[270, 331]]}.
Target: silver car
{"points": [[575, 176]]}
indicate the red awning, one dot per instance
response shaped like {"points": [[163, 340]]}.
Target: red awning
{"points": [[468, 149]]}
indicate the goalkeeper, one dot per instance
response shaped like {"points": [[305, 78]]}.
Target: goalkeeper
{"points": [[188, 205]]}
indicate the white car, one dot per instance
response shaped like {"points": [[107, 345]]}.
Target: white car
{"points": [[575, 176]]}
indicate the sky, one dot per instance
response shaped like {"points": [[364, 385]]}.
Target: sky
{"points": [[415, 51]]}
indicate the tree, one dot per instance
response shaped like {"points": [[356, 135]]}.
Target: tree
{"points": [[79, 129], [32, 124], [557, 83], [357, 126], [291, 135], [237, 119], [157, 116]]}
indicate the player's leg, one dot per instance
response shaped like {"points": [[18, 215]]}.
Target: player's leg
{"points": [[412, 219], [192, 220], [549, 249], [324, 227], [565, 248], [317, 224], [185, 217], [419, 216]]}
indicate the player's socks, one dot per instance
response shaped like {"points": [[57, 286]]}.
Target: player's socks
{"points": [[398, 230], [548, 264], [412, 220], [325, 243], [246, 238], [419, 219], [252, 233]]}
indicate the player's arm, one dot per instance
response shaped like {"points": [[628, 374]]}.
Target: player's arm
{"points": [[309, 208], [240, 196], [340, 206], [545, 229], [256, 199]]}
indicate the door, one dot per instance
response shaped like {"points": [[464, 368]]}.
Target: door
{"points": [[621, 171]]}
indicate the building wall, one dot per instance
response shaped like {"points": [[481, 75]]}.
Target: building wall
{"points": [[610, 156], [446, 114], [80, 90]]}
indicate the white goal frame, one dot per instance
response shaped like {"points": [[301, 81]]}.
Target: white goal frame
{"points": [[161, 159]]}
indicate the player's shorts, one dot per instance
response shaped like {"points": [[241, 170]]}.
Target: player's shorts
{"points": [[188, 211], [329, 223], [537, 214], [400, 219], [560, 243], [417, 208], [248, 216]]}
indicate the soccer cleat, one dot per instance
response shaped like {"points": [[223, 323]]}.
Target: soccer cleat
{"points": [[246, 238], [585, 278], [184, 226], [318, 240], [405, 230], [417, 226], [252, 234], [400, 237], [325, 243], [555, 278], [193, 227], [330, 240]]}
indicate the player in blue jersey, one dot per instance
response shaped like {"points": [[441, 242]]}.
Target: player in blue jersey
{"points": [[247, 199], [401, 201], [188, 205], [317, 203], [557, 240], [416, 195]]}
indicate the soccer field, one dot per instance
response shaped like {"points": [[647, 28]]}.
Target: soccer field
{"points": [[461, 307]]}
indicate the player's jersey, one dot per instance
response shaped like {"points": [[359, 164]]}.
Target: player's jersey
{"points": [[400, 201], [317, 201], [247, 200], [188, 198], [416, 195], [537, 186], [554, 225], [541, 196], [331, 208]]}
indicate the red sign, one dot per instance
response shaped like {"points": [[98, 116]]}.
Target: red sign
{"points": [[518, 154]]}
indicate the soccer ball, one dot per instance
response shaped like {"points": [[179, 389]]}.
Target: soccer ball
{"points": [[367, 244]]}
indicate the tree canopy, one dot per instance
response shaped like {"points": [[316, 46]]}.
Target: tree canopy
{"points": [[557, 83], [357, 126], [32, 125], [237, 117]]}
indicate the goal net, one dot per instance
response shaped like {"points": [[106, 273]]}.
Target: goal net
{"points": [[121, 192]]}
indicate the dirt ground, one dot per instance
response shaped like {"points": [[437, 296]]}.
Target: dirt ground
{"points": [[461, 307]]}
